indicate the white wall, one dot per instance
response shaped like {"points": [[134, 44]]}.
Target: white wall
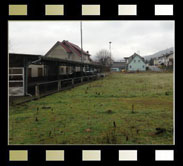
{"points": [[58, 52], [35, 70]]}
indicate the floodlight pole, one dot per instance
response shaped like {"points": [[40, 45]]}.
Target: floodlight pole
{"points": [[110, 51]]}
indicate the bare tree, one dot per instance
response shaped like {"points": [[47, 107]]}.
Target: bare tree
{"points": [[103, 57]]}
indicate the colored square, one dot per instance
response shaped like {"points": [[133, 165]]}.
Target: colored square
{"points": [[17, 10], [90, 9], [163, 10], [164, 155], [18, 155], [127, 155], [54, 9], [127, 9], [54, 155], [91, 155]]}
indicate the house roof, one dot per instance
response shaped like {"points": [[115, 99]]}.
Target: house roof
{"points": [[133, 56], [166, 55], [118, 64], [69, 48]]}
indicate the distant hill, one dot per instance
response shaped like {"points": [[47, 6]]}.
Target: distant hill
{"points": [[158, 54]]}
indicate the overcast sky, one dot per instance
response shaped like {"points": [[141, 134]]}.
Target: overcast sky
{"points": [[127, 37]]}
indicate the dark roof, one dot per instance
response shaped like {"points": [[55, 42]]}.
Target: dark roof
{"points": [[118, 64], [165, 55], [168, 54], [133, 56], [32, 57], [22, 54], [70, 47]]}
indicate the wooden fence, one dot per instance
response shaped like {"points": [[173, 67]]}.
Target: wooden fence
{"points": [[46, 88]]}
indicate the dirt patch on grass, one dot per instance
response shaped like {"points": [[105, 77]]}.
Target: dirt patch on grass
{"points": [[149, 101]]}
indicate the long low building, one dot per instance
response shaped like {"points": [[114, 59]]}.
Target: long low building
{"points": [[26, 69], [118, 66]]}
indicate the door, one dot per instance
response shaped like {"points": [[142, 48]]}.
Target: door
{"points": [[30, 72], [40, 72]]}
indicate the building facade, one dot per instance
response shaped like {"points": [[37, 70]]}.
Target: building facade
{"points": [[68, 51], [164, 60], [135, 63]]}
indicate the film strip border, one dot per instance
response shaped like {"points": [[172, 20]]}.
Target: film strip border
{"points": [[90, 10], [63, 9], [84, 9], [88, 157]]}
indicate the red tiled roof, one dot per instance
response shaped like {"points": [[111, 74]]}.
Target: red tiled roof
{"points": [[65, 47], [70, 47]]}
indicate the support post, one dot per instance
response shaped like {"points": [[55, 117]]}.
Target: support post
{"points": [[37, 91], [25, 76], [81, 79], [59, 85], [73, 81]]}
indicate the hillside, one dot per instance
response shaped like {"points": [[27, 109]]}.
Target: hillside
{"points": [[158, 54]]}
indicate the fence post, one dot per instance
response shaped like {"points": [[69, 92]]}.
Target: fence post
{"points": [[73, 81], [59, 85], [37, 90], [81, 79]]}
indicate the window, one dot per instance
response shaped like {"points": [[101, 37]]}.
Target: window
{"points": [[134, 61], [138, 60], [61, 70], [143, 66], [130, 66]]}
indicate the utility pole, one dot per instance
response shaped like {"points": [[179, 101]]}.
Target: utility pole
{"points": [[81, 30]]}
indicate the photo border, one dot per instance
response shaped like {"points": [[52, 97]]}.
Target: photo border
{"points": [[73, 153]]}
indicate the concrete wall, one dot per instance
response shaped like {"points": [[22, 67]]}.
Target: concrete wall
{"points": [[137, 64]]}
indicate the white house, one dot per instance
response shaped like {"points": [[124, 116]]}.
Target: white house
{"points": [[135, 63]]}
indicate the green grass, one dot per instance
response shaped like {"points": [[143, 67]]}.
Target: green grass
{"points": [[86, 114]]}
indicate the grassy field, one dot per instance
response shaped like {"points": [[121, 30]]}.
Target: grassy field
{"points": [[120, 109]]}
